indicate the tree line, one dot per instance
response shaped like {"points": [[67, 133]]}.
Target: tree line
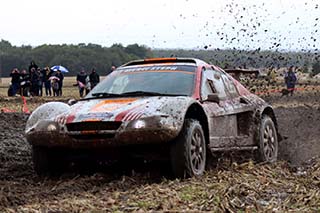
{"points": [[74, 57], [88, 56], [257, 59]]}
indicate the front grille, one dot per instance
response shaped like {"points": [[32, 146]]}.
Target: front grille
{"points": [[93, 125], [93, 137]]}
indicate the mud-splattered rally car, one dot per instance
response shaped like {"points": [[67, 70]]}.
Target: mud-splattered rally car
{"points": [[182, 109]]}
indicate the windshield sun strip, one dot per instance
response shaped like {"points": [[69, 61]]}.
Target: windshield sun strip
{"points": [[155, 71]]}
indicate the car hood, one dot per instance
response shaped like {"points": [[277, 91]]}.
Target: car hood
{"points": [[126, 109]]}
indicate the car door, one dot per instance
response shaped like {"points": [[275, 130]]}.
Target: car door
{"points": [[222, 121], [243, 111]]}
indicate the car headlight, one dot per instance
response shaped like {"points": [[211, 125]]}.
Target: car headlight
{"points": [[147, 122], [52, 127], [139, 124]]}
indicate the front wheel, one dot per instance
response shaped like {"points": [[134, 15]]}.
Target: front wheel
{"points": [[188, 151], [268, 140], [46, 161]]}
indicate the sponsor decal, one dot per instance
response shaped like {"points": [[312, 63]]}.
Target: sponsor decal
{"points": [[154, 68], [95, 116], [164, 68], [111, 104]]}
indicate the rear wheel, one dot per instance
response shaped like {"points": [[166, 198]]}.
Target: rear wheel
{"points": [[188, 151], [268, 141]]}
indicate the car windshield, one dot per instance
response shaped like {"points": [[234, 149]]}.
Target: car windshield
{"points": [[147, 80]]}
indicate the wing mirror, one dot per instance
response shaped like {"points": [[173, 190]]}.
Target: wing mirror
{"points": [[213, 97]]}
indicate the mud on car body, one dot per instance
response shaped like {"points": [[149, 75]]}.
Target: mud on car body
{"points": [[182, 108]]}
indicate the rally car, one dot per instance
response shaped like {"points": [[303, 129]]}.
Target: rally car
{"points": [[182, 109]]}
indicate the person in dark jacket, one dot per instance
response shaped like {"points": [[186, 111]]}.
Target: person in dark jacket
{"points": [[290, 80], [94, 78], [40, 81], [82, 81], [35, 81], [47, 73], [24, 83], [32, 65], [61, 77], [15, 82]]}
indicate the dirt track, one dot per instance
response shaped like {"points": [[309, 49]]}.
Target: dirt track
{"points": [[299, 123], [298, 118]]}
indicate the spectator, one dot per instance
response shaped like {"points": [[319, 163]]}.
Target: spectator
{"points": [[290, 80], [32, 65], [60, 82], [24, 83], [47, 83], [111, 70], [88, 85], [81, 81], [54, 81], [41, 80], [35, 81], [94, 78], [15, 82]]}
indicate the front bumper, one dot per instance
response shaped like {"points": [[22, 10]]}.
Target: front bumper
{"points": [[96, 139]]}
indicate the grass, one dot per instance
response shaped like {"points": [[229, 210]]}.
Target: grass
{"points": [[68, 81], [15, 103]]}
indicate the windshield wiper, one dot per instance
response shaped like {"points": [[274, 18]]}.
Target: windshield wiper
{"points": [[101, 95], [146, 93], [128, 94], [105, 94]]}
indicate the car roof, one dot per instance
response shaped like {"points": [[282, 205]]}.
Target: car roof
{"points": [[150, 61]]}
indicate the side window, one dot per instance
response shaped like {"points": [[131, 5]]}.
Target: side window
{"points": [[214, 81], [206, 83], [219, 85], [231, 88]]}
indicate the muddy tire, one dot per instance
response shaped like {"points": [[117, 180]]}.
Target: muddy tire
{"points": [[46, 162], [188, 151], [268, 141]]}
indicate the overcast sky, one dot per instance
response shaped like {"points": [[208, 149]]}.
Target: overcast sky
{"points": [[268, 24]]}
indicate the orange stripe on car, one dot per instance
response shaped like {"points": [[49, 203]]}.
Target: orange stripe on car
{"points": [[111, 104], [160, 59], [92, 120]]}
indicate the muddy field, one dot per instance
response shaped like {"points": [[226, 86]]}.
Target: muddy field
{"points": [[292, 183]]}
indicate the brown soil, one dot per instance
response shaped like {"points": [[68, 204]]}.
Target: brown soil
{"points": [[298, 118], [291, 184]]}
